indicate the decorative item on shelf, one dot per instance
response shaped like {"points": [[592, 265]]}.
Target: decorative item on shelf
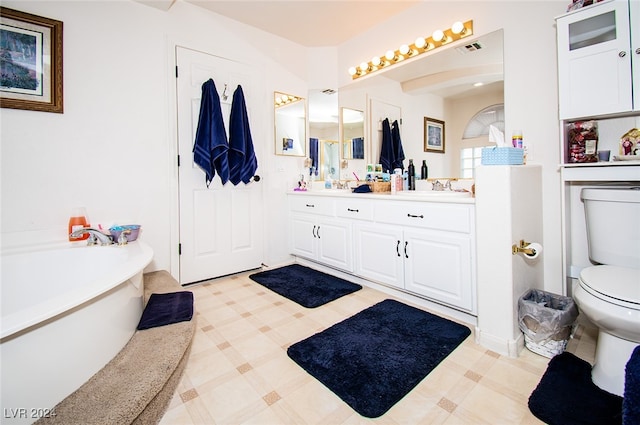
{"points": [[421, 45], [629, 146], [583, 141]]}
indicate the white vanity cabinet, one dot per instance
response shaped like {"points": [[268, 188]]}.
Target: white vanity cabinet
{"points": [[318, 235], [423, 248], [597, 49]]}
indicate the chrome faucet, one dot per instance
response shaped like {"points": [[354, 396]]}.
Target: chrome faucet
{"points": [[95, 236], [437, 186]]}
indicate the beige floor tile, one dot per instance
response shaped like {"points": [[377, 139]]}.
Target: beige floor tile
{"points": [[239, 371]]}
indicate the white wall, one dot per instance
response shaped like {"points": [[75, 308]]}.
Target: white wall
{"points": [[113, 150], [530, 83], [118, 110]]}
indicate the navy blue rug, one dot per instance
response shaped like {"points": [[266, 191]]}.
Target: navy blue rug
{"points": [[309, 288], [566, 395], [374, 358]]}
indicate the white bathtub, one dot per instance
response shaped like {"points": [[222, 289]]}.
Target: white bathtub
{"points": [[66, 311]]}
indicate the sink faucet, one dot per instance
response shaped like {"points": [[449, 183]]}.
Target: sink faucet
{"points": [[95, 236], [437, 186]]}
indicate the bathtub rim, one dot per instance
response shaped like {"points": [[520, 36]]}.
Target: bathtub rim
{"points": [[22, 320]]}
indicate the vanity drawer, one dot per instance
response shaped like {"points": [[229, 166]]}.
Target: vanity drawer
{"points": [[312, 204], [355, 208], [429, 215]]}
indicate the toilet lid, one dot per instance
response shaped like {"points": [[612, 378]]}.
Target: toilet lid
{"points": [[619, 283]]}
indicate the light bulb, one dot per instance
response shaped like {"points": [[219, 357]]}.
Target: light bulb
{"points": [[437, 35], [364, 67], [457, 27], [390, 55], [420, 42], [376, 61], [352, 71], [404, 49]]}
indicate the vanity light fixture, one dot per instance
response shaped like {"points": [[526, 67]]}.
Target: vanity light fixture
{"points": [[285, 99], [421, 45]]}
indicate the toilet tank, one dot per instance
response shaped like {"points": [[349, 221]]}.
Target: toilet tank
{"points": [[613, 225]]}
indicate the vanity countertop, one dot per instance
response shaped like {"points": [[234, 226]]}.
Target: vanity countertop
{"points": [[405, 195]]}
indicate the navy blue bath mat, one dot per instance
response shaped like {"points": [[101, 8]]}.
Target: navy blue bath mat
{"points": [[309, 288], [374, 358], [566, 395], [166, 309]]}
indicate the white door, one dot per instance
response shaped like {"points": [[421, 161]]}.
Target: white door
{"points": [[220, 226]]}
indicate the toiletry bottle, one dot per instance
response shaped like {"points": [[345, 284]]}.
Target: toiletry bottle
{"points": [[405, 180], [393, 178], [516, 139], [424, 171], [77, 221], [412, 175]]}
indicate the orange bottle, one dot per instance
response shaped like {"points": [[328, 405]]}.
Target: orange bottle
{"points": [[78, 220]]}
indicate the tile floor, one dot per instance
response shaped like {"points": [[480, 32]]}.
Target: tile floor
{"points": [[239, 372]]}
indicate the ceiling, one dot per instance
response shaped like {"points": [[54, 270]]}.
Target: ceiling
{"points": [[320, 23]]}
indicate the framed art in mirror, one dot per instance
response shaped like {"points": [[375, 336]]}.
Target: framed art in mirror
{"points": [[433, 135], [290, 124], [31, 62]]}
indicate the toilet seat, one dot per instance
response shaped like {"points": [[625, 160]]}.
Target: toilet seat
{"points": [[616, 285]]}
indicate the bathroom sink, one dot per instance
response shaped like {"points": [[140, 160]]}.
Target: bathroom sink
{"points": [[433, 194]]}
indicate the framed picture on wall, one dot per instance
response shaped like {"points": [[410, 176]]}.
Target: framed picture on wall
{"points": [[30, 62], [433, 135]]}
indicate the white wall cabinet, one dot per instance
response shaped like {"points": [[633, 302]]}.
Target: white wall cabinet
{"points": [[597, 48], [425, 248]]}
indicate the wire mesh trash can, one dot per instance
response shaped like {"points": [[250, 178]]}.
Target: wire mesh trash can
{"points": [[546, 320]]}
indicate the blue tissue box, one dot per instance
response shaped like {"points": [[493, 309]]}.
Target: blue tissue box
{"points": [[502, 155]]}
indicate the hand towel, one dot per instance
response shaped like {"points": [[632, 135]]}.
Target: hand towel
{"points": [[165, 309], [313, 155], [386, 150], [210, 147], [398, 152], [242, 159]]}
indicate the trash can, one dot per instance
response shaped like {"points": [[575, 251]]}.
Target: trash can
{"points": [[546, 320]]}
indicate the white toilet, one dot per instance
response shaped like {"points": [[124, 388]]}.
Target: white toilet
{"points": [[608, 294]]}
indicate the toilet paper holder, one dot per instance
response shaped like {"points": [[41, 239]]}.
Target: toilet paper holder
{"points": [[522, 248]]}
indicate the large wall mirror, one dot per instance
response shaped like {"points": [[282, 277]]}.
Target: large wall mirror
{"points": [[352, 121], [452, 84], [324, 145], [290, 124]]}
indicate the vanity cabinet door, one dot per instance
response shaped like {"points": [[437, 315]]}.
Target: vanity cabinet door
{"points": [[380, 253], [322, 239], [334, 245], [303, 235], [439, 266]]}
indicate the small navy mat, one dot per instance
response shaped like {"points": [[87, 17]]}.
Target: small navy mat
{"points": [[566, 395], [165, 309], [305, 286]]}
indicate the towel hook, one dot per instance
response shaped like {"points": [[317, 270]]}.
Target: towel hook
{"points": [[224, 92]]}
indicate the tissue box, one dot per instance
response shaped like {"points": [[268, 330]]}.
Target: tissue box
{"points": [[502, 155]]}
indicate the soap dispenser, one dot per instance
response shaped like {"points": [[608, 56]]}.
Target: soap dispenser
{"points": [[77, 221]]}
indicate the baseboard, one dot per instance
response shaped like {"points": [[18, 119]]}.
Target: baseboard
{"points": [[502, 346]]}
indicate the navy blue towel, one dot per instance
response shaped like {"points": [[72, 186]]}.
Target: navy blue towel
{"points": [[165, 309], [313, 154], [631, 400], [210, 147], [242, 158], [398, 152], [386, 150], [357, 148]]}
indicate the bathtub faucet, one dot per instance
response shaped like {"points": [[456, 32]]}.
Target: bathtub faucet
{"points": [[95, 236]]}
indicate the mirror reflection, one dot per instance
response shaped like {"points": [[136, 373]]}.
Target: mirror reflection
{"points": [[290, 124], [324, 149], [454, 85], [352, 121]]}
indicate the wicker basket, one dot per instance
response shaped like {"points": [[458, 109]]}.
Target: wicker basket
{"points": [[380, 186]]}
